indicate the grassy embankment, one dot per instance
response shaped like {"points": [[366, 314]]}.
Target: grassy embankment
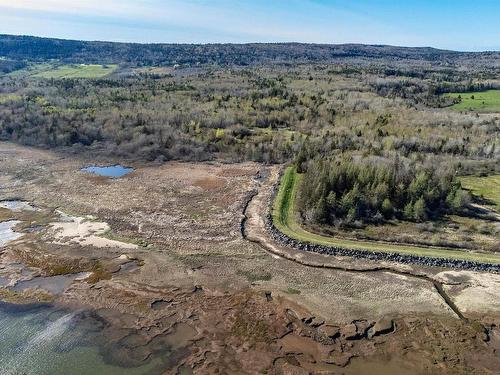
{"points": [[285, 218], [484, 101], [487, 188]]}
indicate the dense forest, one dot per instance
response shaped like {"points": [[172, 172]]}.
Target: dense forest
{"points": [[73, 51], [345, 191]]}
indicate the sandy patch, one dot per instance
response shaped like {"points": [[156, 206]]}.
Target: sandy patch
{"points": [[7, 234], [84, 231], [474, 291]]}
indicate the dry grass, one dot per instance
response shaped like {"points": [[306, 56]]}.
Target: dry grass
{"points": [[26, 296], [51, 265], [210, 183]]}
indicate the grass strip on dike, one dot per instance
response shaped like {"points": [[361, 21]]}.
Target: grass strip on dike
{"points": [[284, 217]]}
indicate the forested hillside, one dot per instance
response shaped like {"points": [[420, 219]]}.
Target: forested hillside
{"points": [[41, 49]]}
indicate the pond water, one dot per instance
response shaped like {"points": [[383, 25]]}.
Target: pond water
{"points": [[113, 171], [43, 340]]}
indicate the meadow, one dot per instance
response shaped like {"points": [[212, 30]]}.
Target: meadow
{"points": [[57, 70], [485, 101], [76, 71]]}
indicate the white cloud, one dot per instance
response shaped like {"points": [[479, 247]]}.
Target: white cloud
{"points": [[83, 7], [212, 21]]}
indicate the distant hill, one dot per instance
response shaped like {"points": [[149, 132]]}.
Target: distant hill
{"points": [[73, 51]]}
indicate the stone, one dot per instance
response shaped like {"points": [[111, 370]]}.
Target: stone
{"points": [[317, 322], [362, 326], [382, 326], [330, 331], [349, 331]]}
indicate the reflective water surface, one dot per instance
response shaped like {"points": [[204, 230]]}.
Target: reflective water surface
{"points": [[113, 171], [44, 340]]}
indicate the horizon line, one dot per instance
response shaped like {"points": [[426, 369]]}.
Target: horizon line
{"points": [[252, 43]]}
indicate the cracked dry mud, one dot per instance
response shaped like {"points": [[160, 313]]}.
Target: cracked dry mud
{"points": [[192, 288]]}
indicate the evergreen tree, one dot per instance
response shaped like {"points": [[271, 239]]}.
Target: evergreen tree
{"points": [[420, 210]]}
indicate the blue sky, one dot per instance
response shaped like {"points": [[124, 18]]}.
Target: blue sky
{"points": [[458, 24]]}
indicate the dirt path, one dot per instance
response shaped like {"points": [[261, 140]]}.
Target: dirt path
{"points": [[253, 229]]}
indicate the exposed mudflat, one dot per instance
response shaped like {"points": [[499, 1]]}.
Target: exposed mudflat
{"points": [[170, 276]]}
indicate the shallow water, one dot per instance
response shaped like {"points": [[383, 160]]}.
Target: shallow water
{"points": [[113, 171], [17, 205], [6, 232], [52, 284], [42, 340]]}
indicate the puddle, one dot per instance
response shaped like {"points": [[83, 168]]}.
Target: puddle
{"points": [[129, 266], [51, 284], [4, 281], [113, 171], [17, 205], [6, 232], [160, 304]]}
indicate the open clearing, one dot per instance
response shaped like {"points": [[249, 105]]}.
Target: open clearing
{"points": [[75, 71], [485, 187], [285, 219], [485, 101], [55, 70]]}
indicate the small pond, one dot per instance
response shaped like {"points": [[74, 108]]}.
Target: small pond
{"points": [[113, 171]]}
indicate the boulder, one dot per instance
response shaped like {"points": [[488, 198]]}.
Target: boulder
{"points": [[382, 326], [330, 331], [349, 331]]}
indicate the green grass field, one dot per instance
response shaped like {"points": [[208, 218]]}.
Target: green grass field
{"points": [[75, 71], [485, 101], [285, 219], [486, 187]]}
